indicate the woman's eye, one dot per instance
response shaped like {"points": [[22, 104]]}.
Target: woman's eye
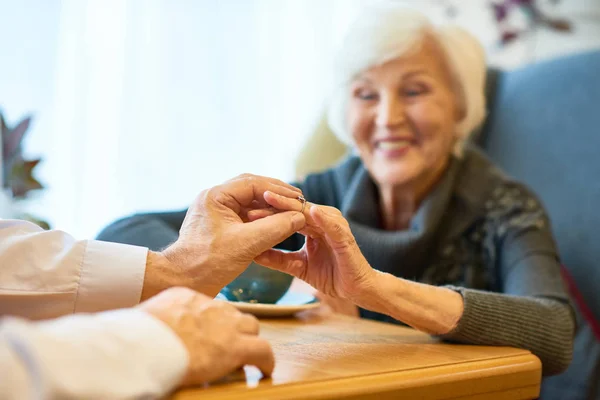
{"points": [[414, 91], [367, 95]]}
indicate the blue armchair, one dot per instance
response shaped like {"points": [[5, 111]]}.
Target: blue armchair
{"points": [[544, 129]]}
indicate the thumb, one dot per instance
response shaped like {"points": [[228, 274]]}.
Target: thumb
{"points": [[336, 228], [263, 234], [291, 263]]}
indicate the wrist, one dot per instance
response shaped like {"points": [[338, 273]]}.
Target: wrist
{"points": [[193, 268], [160, 274], [431, 309], [371, 296]]}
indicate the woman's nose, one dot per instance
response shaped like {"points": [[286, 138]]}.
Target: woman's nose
{"points": [[390, 112]]}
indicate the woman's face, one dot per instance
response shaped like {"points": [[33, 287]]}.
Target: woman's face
{"points": [[402, 115]]}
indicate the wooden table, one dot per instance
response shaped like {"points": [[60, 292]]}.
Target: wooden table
{"points": [[327, 356]]}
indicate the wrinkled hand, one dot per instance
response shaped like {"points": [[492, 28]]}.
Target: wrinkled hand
{"points": [[217, 241], [330, 260], [337, 305], [219, 339]]}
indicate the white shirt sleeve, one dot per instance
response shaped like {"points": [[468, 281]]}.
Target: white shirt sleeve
{"points": [[122, 354], [45, 274]]}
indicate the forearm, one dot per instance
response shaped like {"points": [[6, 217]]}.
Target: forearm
{"points": [[533, 310], [118, 355], [542, 325], [431, 309]]}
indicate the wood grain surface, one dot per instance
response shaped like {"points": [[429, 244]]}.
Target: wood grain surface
{"points": [[329, 356]]}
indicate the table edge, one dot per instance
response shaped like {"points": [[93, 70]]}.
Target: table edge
{"points": [[523, 370]]}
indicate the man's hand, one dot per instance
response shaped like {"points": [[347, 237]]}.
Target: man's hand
{"points": [[219, 339], [216, 241]]}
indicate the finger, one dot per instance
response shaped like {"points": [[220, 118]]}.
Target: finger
{"points": [[257, 352], [243, 193], [261, 184], [259, 206], [334, 226], [263, 234], [284, 202], [311, 231], [312, 228], [248, 324], [256, 204], [239, 375], [254, 215], [289, 262], [261, 187], [217, 308], [274, 181]]}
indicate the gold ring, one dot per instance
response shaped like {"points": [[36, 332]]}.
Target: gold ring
{"points": [[303, 201]]}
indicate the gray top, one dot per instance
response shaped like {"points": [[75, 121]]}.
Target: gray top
{"points": [[478, 232]]}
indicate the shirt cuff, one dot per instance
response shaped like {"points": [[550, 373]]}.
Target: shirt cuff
{"points": [[112, 276]]}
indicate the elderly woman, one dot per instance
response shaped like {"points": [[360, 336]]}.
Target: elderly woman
{"points": [[418, 226]]}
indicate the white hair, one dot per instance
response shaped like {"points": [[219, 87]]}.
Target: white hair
{"points": [[381, 34]]}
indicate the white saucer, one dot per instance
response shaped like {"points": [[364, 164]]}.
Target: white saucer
{"points": [[291, 303]]}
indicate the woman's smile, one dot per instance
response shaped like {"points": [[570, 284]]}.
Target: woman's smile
{"points": [[394, 147]]}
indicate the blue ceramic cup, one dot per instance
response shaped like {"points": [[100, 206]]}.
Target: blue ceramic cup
{"points": [[258, 284]]}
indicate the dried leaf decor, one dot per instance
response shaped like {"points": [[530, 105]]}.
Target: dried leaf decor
{"points": [[17, 171]]}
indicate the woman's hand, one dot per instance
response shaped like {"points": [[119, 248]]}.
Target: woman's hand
{"points": [[330, 260], [337, 305]]}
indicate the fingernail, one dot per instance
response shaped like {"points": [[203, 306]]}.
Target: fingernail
{"points": [[298, 221]]}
